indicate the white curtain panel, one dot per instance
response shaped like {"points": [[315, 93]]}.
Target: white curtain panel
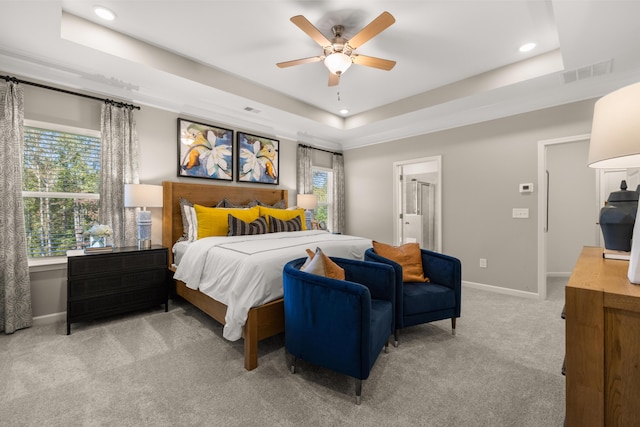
{"points": [[339, 221], [304, 175], [119, 166], [15, 287]]}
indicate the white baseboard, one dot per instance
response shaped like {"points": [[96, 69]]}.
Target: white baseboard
{"points": [[50, 318], [499, 290]]}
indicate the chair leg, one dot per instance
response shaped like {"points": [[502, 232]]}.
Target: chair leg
{"points": [[396, 337], [453, 326], [358, 391], [386, 347], [292, 363]]}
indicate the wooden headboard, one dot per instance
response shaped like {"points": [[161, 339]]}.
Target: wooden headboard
{"points": [[206, 195]]}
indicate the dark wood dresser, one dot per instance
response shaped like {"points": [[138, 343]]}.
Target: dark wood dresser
{"points": [[602, 343], [108, 283]]}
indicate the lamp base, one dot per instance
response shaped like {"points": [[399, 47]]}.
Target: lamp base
{"points": [[144, 244]]}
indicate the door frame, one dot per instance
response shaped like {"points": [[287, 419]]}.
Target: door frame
{"points": [[397, 192], [542, 206]]}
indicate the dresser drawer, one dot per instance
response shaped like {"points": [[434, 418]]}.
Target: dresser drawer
{"points": [[83, 287], [107, 305], [115, 263]]}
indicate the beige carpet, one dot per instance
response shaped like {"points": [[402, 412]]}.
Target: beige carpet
{"points": [[175, 369]]}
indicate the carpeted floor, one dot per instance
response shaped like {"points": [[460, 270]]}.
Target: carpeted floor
{"points": [[175, 369]]}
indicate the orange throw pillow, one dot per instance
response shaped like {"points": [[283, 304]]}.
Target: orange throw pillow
{"points": [[322, 265], [408, 256]]}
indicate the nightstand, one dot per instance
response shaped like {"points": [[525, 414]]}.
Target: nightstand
{"points": [[125, 280]]}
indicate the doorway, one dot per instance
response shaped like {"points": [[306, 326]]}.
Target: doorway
{"points": [[417, 202], [568, 206]]}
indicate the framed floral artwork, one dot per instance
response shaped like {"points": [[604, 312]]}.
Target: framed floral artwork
{"points": [[204, 151], [258, 159]]}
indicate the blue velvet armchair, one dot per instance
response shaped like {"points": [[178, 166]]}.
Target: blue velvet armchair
{"points": [[339, 324], [418, 303]]}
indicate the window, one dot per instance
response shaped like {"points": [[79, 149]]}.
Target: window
{"points": [[323, 189], [60, 181]]}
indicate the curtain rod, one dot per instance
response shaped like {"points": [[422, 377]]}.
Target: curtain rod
{"points": [[105, 100], [320, 149]]}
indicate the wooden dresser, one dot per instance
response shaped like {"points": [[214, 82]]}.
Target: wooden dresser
{"points": [[602, 343]]}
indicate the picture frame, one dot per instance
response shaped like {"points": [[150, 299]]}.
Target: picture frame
{"points": [[204, 151], [258, 159]]}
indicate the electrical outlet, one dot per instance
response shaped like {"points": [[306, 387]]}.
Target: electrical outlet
{"points": [[483, 263], [521, 213]]}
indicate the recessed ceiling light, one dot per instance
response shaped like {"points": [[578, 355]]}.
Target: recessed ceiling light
{"points": [[344, 111], [104, 13], [527, 47]]}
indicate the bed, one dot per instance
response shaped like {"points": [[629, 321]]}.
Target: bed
{"points": [[263, 315]]}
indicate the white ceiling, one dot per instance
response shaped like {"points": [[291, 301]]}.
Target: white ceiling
{"points": [[457, 61]]}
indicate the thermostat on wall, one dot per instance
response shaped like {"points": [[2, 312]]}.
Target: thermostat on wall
{"points": [[526, 188]]}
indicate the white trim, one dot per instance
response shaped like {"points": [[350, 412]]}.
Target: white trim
{"points": [[47, 263], [542, 206], [397, 187], [49, 319], [62, 128], [500, 290]]}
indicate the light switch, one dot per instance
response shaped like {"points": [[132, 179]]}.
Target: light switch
{"points": [[520, 213]]}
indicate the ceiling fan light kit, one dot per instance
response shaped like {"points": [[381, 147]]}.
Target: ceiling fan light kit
{"points": [[338, 52]]}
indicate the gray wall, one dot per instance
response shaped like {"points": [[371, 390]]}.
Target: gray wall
{"points": [[482, 166]]}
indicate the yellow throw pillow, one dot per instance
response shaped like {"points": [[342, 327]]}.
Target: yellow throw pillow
{"points": [[408, 256], [283, 214], [215, 221], [322, 265]]}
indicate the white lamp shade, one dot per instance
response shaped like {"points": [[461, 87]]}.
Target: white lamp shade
{"points": [[307, 201], [615, 132], [142, 196], [337, 62]]}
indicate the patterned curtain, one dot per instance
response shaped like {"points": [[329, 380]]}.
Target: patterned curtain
{"points": [[339, 221], [304, 175], [119, 166], [15, 286]]}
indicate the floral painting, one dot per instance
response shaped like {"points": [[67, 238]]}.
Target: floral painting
{"points": [[257, 159], [204, 151]]}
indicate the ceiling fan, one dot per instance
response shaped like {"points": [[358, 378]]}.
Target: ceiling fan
{"points": [[339, 52]]}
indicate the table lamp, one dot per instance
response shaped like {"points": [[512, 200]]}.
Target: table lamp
{"points": [[143, 196], [615, 143], [308, 202]]}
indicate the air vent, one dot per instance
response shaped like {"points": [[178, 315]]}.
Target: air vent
{"points": [[252, 110], [594, 70]]}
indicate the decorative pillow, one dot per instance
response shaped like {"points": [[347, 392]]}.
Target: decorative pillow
{"points": [[238, 227], [310, 255], [408, 256], [185, 220], [225, 203], [277, 225], [282, 204], [283, 214], [322, 265], [215, 221]]}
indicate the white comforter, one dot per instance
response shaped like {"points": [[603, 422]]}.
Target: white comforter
{"points": [[246, 271]]}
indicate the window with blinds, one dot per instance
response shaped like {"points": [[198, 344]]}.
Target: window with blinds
{"points": [[60, 183]]}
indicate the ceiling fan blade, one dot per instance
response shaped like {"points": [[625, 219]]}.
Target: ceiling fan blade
{"points": [[370, 61], [300, 61], [375, 27], [334, 79], [306, 26]]}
